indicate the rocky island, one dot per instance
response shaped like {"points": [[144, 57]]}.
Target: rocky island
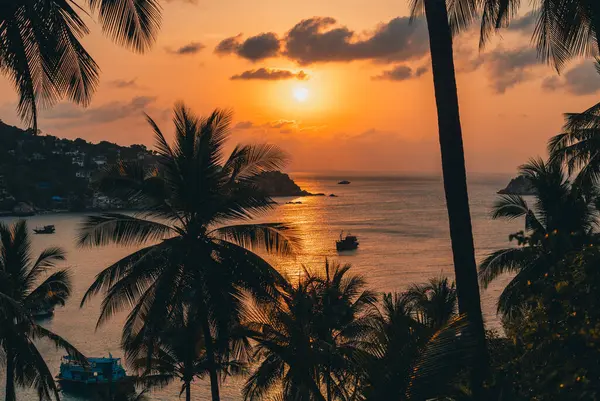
{"points": [[518, 186], [276, 183]]}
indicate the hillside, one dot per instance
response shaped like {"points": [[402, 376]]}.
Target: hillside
{"points": [[47, 172]]}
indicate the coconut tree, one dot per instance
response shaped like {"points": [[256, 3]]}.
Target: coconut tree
{"points": [[190, 255], [307, 343], [289, 361], [342, 318], [578, 146], [41, 52], [25, 287], [564, 28], [443, 19], [412, 350], [561, 220], [178, 353], [433, 304]]}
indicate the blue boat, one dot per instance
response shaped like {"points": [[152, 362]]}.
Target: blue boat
{"points": [[98, 372]]}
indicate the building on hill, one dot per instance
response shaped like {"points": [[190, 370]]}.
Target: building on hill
{"points": [[37, 168], [100, 160]]}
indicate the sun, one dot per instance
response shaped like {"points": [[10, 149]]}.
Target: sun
{"points": [[300, 93]]}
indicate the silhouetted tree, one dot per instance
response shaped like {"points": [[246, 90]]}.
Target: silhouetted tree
{"points": [[561, 221], [194, 259], [41, 54], [22, 293], [440, 24], [306, 344]]}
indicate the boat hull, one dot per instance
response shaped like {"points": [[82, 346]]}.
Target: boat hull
{"points": [[344, 247], [80, 387]]}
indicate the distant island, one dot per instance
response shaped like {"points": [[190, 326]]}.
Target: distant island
{"points": [[276, 183], [518, 186]]}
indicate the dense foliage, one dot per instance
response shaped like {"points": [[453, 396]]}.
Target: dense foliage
{"points": [[26, 287], [37, 168]]}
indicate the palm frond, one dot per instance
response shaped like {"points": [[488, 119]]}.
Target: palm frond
{"points": [[274, 238], [59, 342], [31, 371], [42, 55], [448, 352], [120, 229], [56, 289], [504, 261], [131, 23], [262, 381], [46, 260], [461, 13], [248, 161], [509, 207], [141, 260]]}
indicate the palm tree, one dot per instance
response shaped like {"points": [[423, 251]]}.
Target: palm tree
{"points": [[562, 220], [191, 257], [442, 21], [433, 303], [308, 340], [578, 146], [288, 359], [409, 329], [41, 54], [21, 293], [564, 28], [178, 352], [342, 317], [391, 350]]}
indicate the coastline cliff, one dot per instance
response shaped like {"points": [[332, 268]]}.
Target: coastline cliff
{"points": [[518, 186], [276, 183]]}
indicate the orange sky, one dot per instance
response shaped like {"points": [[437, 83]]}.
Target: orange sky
{"points": [[366, 76]]}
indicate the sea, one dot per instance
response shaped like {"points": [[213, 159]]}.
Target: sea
{"points": [[400, 220]]}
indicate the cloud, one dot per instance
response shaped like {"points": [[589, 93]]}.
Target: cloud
{"points": [[190, 48], [505, 68], [580, 80], [268, 74], [282, 125], [255, 48], [421, 71], [68, 114], [244, 125], [122, 84], [320, 40], [400, 73], [524, 24]]}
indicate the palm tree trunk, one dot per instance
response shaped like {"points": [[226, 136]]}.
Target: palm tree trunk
{"points": [[188, 391], [328, 383], [10, 377], [210, 354], [455, 178]]}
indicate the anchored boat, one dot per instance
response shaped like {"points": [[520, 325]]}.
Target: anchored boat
{"points": [[348, 243], [49, 229], [98, 372]]}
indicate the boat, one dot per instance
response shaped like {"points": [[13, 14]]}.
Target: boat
{"points": [[43, 312], [347, 243], [344, 182], [96, 373], [49, 229]]}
